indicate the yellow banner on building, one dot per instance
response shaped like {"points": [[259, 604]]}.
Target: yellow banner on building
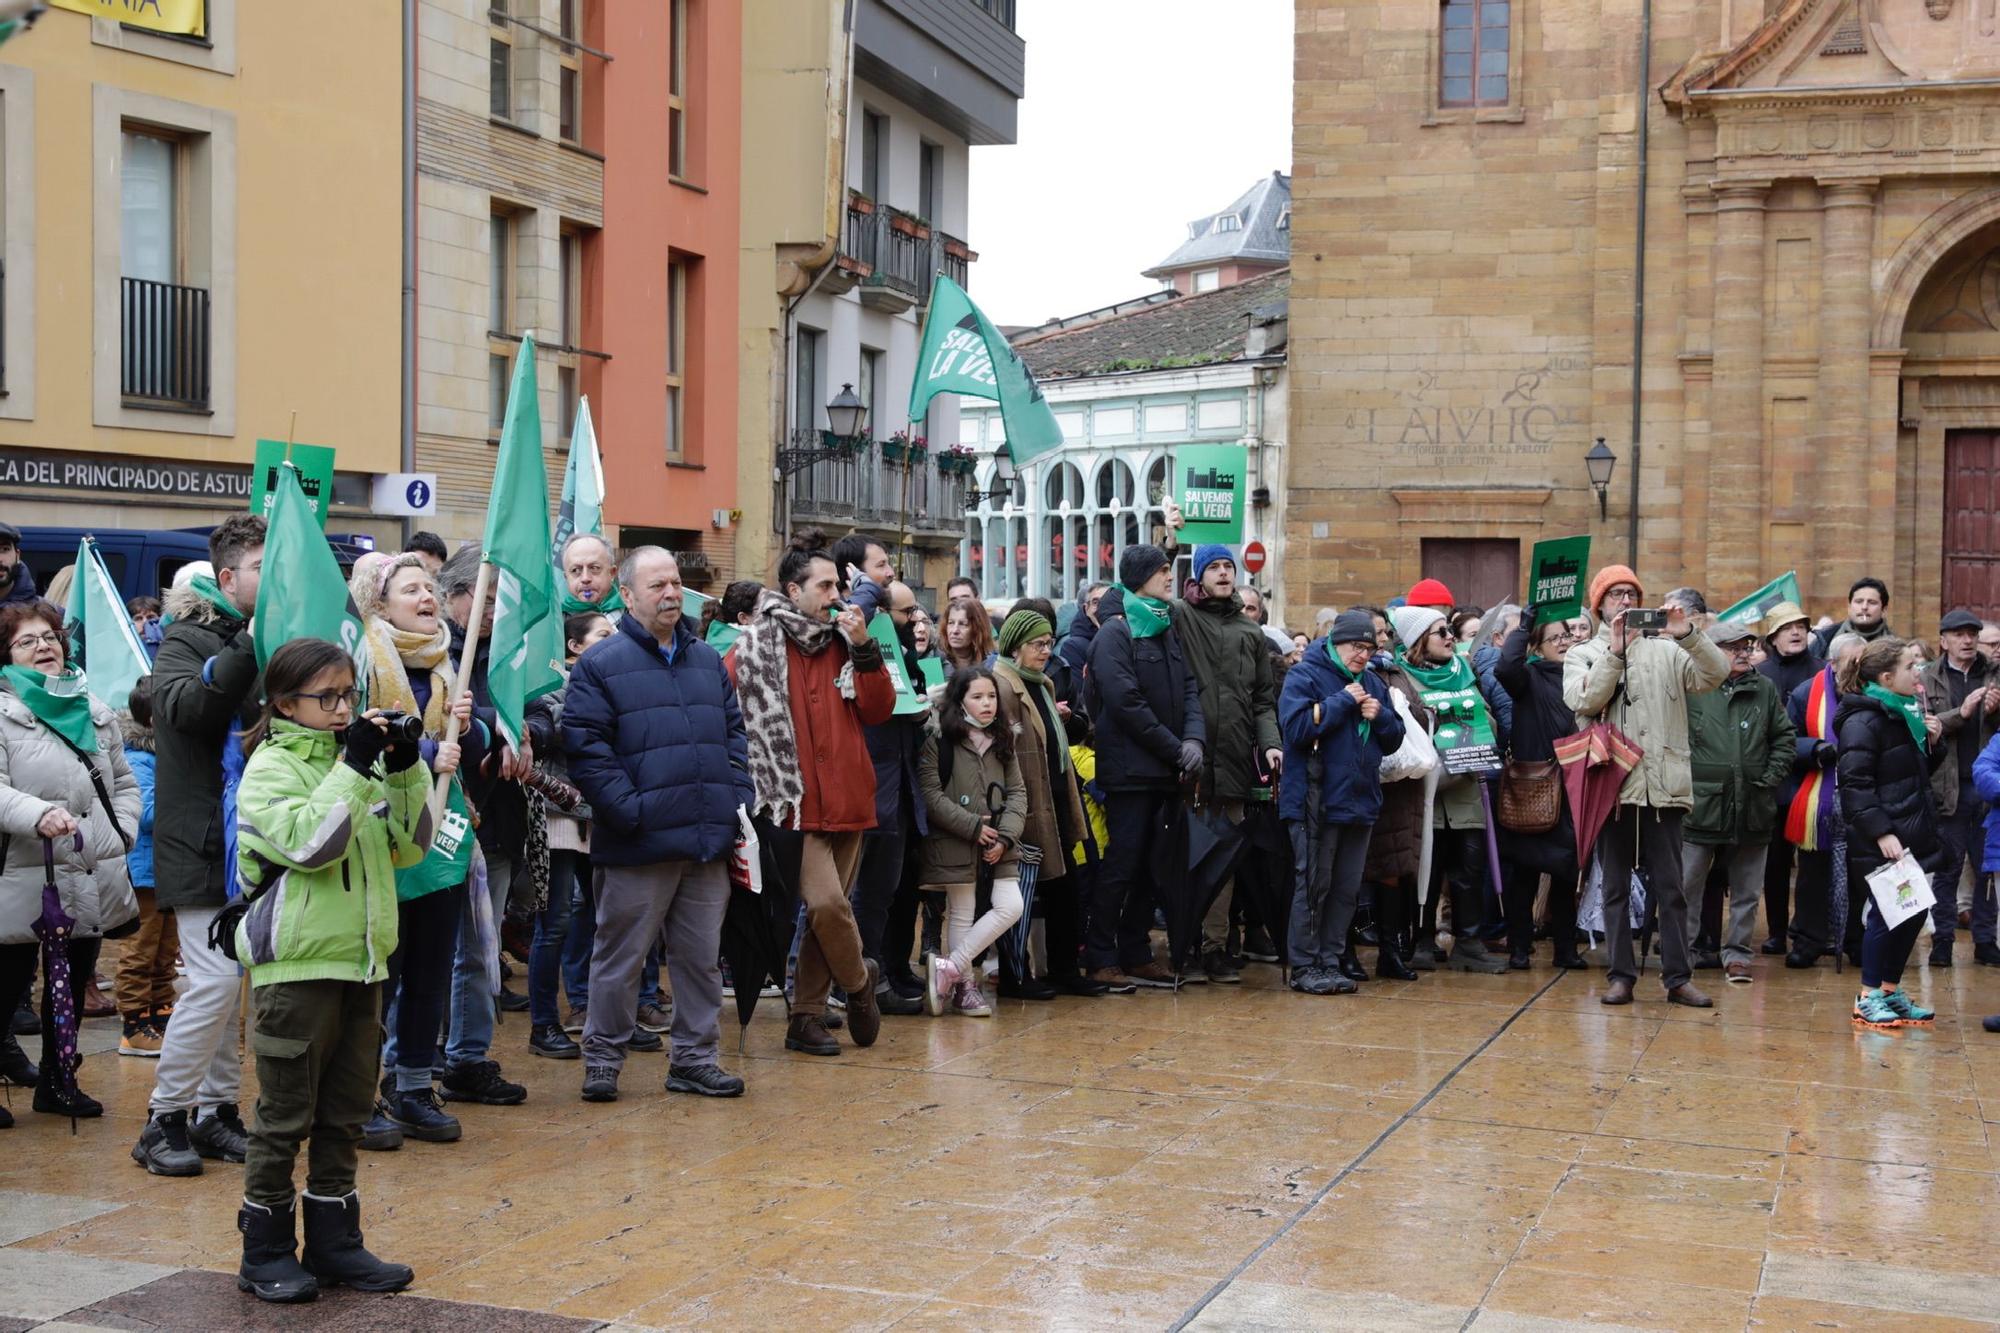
{"points": [[183, 17]]}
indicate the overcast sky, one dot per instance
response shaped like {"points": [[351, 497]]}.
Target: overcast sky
{"points": [[1139, 116]]}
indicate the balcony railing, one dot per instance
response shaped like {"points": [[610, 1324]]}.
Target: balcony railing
{"points": [[164, 340], [896, 256], [864, 489]]}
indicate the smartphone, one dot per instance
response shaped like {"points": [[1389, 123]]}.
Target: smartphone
{"points": [[1646, 620]]}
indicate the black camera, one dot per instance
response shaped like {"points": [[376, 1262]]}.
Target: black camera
{"points": [[1646, 620], [402, 726]]}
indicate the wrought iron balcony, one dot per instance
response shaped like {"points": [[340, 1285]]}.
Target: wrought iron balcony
{"points": [[164, 344], [862, 488], [893, 257]]}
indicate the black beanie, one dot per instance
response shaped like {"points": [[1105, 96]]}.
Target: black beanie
{"points": [[1140, 563]]}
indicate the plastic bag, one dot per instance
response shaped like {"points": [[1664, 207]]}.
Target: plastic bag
{"points": [[746, 864], [1416, 756]]}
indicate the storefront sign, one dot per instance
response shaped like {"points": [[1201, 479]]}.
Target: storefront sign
{"points": [[1208, 486], [187, 18], [224, 485]]}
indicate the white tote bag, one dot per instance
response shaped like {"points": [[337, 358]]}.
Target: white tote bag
{"points": [[746, 863], [1416, 756], [1901, 889]]}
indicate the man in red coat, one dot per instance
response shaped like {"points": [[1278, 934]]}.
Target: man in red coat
{"points": [[807, 685]]}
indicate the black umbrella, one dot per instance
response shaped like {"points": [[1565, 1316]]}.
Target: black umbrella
{"points": [[1267, 871], [1194, 854], [757, 927]]}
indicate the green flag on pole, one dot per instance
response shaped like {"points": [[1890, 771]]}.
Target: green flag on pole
{"points": [[582, 506], [112, 653], [526, 658], [302, 593], [1784, 588], [963, 353]]}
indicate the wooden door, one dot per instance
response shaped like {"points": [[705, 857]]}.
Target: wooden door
{"points": [[1972, 522], [1480, 571]]}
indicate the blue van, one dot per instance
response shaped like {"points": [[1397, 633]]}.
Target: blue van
{"points": [[142, 561]]}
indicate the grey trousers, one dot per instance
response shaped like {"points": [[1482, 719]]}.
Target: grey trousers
{"points": [[1745, 866], [681, 903], [1328, 860]]}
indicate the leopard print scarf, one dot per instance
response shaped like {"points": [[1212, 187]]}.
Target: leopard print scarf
{"points": [[763, 689]]}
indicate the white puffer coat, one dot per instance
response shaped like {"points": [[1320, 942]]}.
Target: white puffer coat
{"points": [[37, 771]]}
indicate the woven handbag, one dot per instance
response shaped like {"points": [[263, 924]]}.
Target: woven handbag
{"points": [[1530, 796]]}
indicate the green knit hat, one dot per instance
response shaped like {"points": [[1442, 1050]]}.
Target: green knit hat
{"points": [[1021, 627]]}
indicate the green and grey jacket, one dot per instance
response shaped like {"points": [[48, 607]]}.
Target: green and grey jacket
{"points": [[318, 845]]}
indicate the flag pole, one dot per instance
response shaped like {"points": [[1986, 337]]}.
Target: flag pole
{"points": [[461, 683]]}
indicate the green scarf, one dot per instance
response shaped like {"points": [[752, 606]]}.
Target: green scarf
{"points": [[1904, 705], [1147, 615], [212, 593], [605, 605], [721, 635], [67, 713], [1058, 745], [1366, 727]]}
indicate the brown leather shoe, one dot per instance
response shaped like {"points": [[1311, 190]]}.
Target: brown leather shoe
{"points": [[806, 1033], [1618, 991], [864, 1016], [1114, 981], [95, 1003], [1686, 994], [1153, 975], [1738, 973]]}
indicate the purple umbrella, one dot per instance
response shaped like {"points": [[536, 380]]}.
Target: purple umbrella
{"points": [[54, 928]]}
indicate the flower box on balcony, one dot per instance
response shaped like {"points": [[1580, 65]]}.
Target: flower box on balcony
{"points": [[910, 226], [955, 463], [902, 447], [847, 446], [860, 202], [958, 249]]}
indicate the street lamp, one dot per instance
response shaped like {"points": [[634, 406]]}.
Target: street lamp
{"points": [[1601, 461], [1002, 485], [846, 418], [846, 414]]}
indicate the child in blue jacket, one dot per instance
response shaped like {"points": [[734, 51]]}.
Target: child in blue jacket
{"points": [[1338, 723], [144, 985]]}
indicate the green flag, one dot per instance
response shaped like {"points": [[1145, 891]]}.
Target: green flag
{"points": [[302, 594], [582, 505], [963, 353], [1784, 588], [112, 653], [527, 646]]}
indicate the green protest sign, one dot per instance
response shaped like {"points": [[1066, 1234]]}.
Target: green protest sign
{"points": [[1784, 588], [1556, 571], [882, 628], [933, 669], [315, 465], [1464, 738], [1208, 486]]}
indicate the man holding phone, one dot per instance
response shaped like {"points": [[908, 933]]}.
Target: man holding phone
{"points": [[1961, 690], [1638, 681]]}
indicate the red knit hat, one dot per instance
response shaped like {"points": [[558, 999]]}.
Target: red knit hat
{"points": [[1430, 592], [1608, 578]]}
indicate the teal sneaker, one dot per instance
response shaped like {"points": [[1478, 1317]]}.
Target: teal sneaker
{"points": [[1873, 1010], [1909, 1012]]}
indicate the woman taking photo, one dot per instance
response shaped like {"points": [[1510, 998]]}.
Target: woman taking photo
{"points": [[1037, 722], [1531, 671], [330, 808], [63, 780], [978, 804], [409, 670], [1888, 749]]}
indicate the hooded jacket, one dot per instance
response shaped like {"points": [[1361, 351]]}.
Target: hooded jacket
{"points": [[324, 843], [1349, 768], [1885, 786], [205, 685], [1143, 703], [1231, 661], [139, 755], [1643, 693], [1742, 749], [959, 807], [37, 772]]}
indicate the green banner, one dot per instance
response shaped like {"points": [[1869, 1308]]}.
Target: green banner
{"points": [[315, 465], [1208, 486], [1557, 570], [882, 628], [963, 353], [933, 669], [1784, 588]]}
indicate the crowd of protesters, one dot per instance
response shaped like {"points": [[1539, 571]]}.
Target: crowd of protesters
{"points": [[998, 801]]}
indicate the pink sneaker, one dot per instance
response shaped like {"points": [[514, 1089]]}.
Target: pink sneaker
{"points": [[970, 1000], [941, 981]]}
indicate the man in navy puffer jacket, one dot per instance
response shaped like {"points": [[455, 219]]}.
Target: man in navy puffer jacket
{"points": [[656, 744], [1338, 723]]}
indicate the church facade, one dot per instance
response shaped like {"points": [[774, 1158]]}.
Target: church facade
{"points": [[1817, 336]]}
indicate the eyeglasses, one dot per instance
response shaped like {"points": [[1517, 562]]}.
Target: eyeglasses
{"points": [[1040, 645], [37, 640], [1621, 595], [331, 700]]}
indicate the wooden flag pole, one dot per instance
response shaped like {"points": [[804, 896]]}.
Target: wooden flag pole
{"points": [[462, 682]]}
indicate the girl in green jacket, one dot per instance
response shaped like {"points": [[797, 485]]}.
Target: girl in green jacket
{"points": [[329, 807]]}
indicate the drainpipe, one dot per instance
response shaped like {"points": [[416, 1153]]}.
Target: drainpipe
{"points": [[409, 366], [1639, 269]]}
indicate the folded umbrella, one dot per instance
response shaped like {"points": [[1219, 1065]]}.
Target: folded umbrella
{"points": [[1194, 855], [1267, 871], [757, 928], [1015, 941], [54, 927], [1594, 764]]}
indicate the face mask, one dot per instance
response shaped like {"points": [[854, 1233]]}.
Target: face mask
{"points": [[974, 722]]}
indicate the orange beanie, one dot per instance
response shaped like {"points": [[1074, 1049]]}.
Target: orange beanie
{"points": [[1608, 578]]}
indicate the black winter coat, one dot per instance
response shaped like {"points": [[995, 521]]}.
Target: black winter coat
{"points": [[1143, 703], [1885, 786], [1790, 674], [193, 714], [1541, 718]]}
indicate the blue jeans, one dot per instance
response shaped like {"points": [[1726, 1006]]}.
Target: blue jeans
{"points": [[472, 1005], [583, 934], [545, 955]]}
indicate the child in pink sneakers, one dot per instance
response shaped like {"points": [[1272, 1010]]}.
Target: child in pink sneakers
{"points": [[978, 804]]}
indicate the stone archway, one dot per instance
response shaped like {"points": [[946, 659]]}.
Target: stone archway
{"points": [[1920, 253]]}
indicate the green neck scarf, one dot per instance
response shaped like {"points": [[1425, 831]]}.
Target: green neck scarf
{"points": [[65, 711], [1148, 615], [605, 605], [1899, 705], [1453, 675], [1058, 744], [1366, 727], [212, 593]]}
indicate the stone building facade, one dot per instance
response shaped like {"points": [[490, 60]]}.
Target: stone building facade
{"points": [[1820, 340]]}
